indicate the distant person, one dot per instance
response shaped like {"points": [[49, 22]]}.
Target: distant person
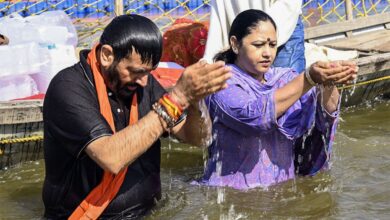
{"points": [[103, 119], [285, 13], [3, 40], [261, 119]]}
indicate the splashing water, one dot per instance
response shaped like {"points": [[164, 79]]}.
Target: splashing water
{"points": [[218, 166], [170, 179], [354, 86], [204, 115], [204, 157], [169, 144], [232, 215], [346, 97], [220, 195]]}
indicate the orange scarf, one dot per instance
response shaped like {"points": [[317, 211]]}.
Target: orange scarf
{"points": [[99, 198]]}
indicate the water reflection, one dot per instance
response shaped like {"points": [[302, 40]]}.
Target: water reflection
{"points": [[355, 187], [20, 191]]}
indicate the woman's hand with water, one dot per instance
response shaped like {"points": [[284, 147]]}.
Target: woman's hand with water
{"points": [[200, 80], [331, 73]]}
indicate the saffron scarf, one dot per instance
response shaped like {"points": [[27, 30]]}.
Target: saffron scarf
{"points": [[101, 196]]}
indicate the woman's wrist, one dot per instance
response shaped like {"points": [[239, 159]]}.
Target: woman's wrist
{"points": [[330, 97], [308, 78]]}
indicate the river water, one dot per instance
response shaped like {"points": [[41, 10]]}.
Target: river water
{"points": [[357, 186]]}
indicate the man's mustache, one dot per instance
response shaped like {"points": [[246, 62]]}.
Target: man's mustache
{"points": [[125, 92], [127, 85]]}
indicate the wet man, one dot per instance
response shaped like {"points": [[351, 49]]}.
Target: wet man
{"points": [[104, 117]]}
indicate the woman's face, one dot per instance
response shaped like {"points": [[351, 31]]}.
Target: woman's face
{"points": [[257, 50]]}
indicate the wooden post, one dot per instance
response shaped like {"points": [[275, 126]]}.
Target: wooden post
{"points": [[349, 13], [118, 7], [348, 10]]}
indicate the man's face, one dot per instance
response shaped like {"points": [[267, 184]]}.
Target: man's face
{"points": [[128, 74]]}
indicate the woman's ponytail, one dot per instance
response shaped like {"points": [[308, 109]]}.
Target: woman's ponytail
{"points": [[228, 56]]}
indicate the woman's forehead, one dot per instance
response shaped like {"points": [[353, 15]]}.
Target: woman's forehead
{"points": [[264, 31]]}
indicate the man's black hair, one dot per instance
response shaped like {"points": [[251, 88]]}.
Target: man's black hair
{"points": [[126, 33]]}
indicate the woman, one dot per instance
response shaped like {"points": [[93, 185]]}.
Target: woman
{"points": [[285, 13], [265, 111]]}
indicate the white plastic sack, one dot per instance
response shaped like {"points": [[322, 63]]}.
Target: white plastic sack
{"points": [[52, 27], [60, 56], [57, 18], [22, 59], [41, 63], [16, 87], [40, 46], [314, 53]]}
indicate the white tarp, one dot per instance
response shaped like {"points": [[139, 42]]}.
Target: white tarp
{"points": [[39, 47], [315, 53]]}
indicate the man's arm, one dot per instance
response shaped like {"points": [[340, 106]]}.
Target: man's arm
{"points": [[113, 153], [196, 129]]}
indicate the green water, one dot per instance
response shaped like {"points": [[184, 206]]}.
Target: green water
{"points": [[357, 186]]}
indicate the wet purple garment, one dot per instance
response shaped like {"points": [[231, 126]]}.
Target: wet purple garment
{"points": [[251, 147]]}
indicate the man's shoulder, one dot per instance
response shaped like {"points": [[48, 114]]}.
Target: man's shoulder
{"points": [[72, 76], [69, 74], [72, 81]]}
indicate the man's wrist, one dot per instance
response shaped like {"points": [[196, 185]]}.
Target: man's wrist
{"points": [[169, 110], [163, 124], [179, 98]]}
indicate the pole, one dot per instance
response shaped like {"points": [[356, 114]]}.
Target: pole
{"points": [[348, 9], [118, 7]]}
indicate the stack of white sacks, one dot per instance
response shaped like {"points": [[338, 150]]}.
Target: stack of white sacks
{"points": [[39, 47]]}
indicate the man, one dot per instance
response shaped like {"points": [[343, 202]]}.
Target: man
{"points": [[97, 165]]}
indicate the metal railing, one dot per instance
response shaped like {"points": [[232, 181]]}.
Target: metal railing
{"points": [[90, 16]]}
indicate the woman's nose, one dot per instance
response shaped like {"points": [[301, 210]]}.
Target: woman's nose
{"points": [[266, 51]]}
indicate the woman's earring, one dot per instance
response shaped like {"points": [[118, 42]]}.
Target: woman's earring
{"points": [[235, 50]]}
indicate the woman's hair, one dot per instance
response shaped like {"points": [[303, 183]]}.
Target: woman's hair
{"points": [[126, 33], [242, 26]]}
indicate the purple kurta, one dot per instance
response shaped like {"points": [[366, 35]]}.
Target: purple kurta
{"points": [[251, 147]]}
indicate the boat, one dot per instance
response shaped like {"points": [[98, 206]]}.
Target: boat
{"points": [[21, 132], [370, 37]]}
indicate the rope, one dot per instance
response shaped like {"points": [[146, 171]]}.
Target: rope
{"points": [[21, 140], [365, 82]]}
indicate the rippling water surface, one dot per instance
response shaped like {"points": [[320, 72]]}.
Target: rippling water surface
{"points": [[357, 186]]}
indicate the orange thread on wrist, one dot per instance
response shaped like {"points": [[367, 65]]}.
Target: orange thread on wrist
{"points": [[167, 96], [172, 108]]}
